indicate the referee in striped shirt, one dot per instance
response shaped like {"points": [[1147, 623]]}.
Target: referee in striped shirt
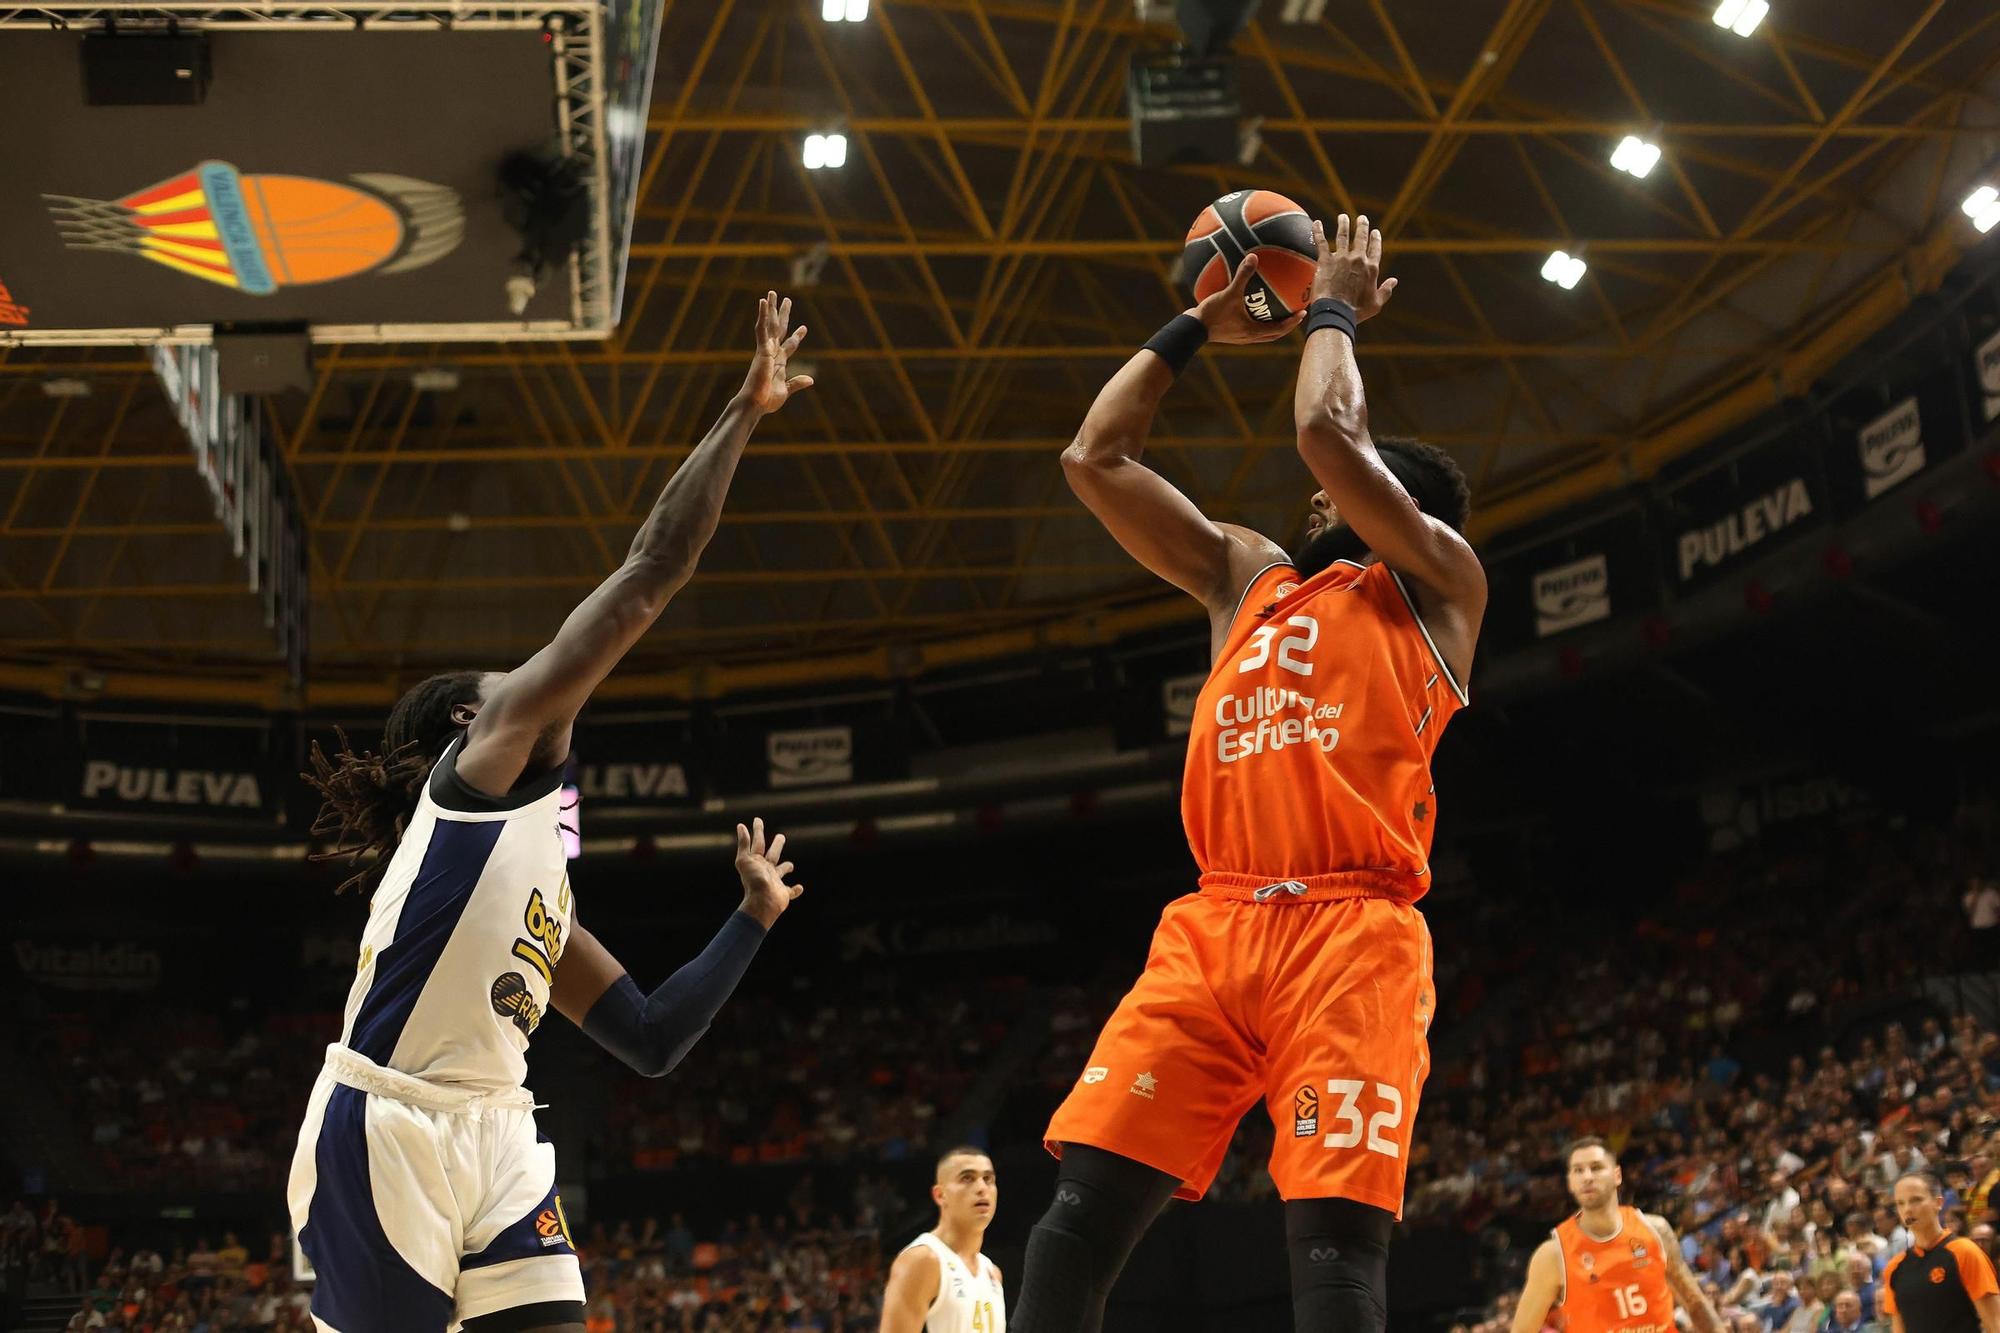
{"points": [[1942, 1283]]}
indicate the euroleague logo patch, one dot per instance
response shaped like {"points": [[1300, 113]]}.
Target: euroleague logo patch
{"points": [[553, 1227], [1937, 1274], [1305, 1112]]}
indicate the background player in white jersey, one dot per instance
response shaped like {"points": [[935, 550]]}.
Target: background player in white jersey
{"points": [[421, 1191], [941, 1283]]}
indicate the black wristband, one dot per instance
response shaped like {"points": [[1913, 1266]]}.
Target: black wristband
{"points": [[1330, 312], [1178, 341]]}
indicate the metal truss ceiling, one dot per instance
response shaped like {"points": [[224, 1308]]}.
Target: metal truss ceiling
{"points": [[990, 254]]}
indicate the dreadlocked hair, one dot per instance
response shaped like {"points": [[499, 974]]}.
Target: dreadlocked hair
{"points": [[366, 799]]}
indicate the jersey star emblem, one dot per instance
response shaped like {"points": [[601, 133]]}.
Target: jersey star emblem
{"points": [[1144, 1086], [1421, 811]]}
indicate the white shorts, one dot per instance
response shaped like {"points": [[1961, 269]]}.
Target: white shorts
{"points": [[421, 1206]]}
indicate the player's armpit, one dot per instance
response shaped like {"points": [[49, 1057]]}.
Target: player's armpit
{"points": [[913, 1285], [1330, 413], [1541, 1290], [584, 973]]}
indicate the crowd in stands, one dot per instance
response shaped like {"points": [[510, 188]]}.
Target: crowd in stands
{"points": [[1751, 1075], [39, 1246], [801, 1271], [180, 1097], [200, 1290], [1752, 1046], [861, 1075]]}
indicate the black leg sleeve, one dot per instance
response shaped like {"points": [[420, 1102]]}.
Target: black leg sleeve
{"points": [[1340, 1265], [1103, 1204]]}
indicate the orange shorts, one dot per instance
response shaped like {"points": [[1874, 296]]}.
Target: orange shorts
{"points": [[1321, 1008]]}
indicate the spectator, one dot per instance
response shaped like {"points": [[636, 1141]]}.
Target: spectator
{"points": [[1861, 1273], [1982, 1236], [1982, 917], [1809, 1312], [1847, 1313], [1779, 1304]]}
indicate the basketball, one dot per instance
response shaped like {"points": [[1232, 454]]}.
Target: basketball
{"points": [[317, 231], [1260, 222]]}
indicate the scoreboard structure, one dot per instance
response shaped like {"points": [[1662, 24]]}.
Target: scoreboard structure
{"points": [[367, 172]]}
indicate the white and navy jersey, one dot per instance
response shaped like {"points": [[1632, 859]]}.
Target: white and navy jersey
{"points": [[464, 934], [967, 1302]]}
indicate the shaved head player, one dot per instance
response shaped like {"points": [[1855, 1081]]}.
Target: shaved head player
{"points": [[1300, 974], [941, 1283]]}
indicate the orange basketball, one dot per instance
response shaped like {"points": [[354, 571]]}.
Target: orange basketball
{"points": [[1260, 222], [316, 231]]}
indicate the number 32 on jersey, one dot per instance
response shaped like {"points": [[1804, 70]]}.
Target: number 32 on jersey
{"points": [[1348, 1125], [1291, 648]]}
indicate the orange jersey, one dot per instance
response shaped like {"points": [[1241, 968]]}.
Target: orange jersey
{"points": [[1617, 1285], [1309, 756]]}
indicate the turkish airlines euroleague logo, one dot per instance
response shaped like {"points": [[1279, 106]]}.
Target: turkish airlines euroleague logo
{"points": [[553, 1227], [12, 311]]}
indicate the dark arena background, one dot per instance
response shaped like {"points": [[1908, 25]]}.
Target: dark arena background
{"points": [[341, 345]]}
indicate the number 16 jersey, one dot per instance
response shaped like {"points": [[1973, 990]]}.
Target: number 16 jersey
{"points": [[1308, 763]]}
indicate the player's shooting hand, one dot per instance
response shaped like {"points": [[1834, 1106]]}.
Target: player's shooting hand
{"points": [[766, 387], [1229, 320], [763, 869], [1350, 268]]}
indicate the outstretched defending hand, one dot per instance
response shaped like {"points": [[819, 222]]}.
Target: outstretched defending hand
{"points": [[766, 386], [1229, 320], [763, 871], [1351, 267]]}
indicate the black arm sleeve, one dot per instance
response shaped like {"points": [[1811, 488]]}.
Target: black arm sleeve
{"points": [[653, 1032]]}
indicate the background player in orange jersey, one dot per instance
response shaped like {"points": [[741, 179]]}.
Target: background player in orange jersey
{"points": [[1300, 974], [1612, 1269]]}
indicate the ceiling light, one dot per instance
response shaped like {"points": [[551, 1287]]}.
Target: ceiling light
{"points": [[1303, 11], [1741, 16], [825, 150], [843, 11], [1635, 156], [434, 379], [68, 386], [1983, 207], [1563, 269]]}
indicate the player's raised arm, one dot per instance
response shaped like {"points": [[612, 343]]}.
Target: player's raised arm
{"points": [[1681, 1280], [523, 723], [1330, 411], [652, 1033], [913, 1286], [1151, 518], [1541, 1290]]}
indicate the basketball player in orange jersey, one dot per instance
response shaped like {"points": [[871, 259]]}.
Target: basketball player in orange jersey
{"points": [[1300, 973], [1612, 1269]]}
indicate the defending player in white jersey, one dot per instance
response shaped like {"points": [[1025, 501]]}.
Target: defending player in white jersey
{"points": [[421, 1192], [941, 1283]]}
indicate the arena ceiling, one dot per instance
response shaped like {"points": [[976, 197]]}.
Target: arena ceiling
{"points": [[986, 257]]}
